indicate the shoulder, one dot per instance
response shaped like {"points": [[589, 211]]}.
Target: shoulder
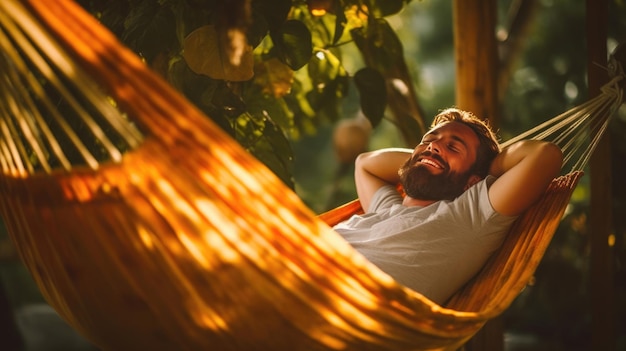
{"points": [[475, 205], [385, 197]]}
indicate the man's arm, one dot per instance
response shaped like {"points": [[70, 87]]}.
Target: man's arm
{"points": [[524, 171], [377, 168]]}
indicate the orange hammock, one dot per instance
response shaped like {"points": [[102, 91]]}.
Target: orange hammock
{"points": [[167, 235]]}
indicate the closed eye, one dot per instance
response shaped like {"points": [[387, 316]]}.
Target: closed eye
{"points": [[427, 140], [454, 148]]}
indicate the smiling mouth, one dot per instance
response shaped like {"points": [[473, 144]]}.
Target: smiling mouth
{"points": [[431, 163]]}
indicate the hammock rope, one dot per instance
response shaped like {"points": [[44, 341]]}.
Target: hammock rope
{"points": [[25, 36], [165, 234], [581, 125]]}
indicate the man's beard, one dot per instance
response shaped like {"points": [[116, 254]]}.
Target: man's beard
{"points": [[418, 183]]}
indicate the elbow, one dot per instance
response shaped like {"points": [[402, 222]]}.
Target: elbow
{"points": [[552, 159], [361, 163], [546, 162], [362, 159]]}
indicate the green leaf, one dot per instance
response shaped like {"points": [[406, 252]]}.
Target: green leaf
{"points": [[340, 22], [274, 11], [326, 102], [258, 29], [111, 13], [266, 141], [330, 83], [371, 86], [293, 44], [323, 67], [150, 29], [380, 45]]}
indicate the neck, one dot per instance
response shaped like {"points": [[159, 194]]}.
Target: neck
{"points": [[409, 201]]}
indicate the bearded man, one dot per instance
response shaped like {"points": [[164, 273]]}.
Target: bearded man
{"points": [[461, 195]]}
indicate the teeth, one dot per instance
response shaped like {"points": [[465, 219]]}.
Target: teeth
{"points": [[429, 162]]}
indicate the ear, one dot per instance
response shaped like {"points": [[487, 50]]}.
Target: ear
{"points": [[473, 179]]}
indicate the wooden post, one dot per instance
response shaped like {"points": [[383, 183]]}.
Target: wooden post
{"points": [[476, 61], [601, 275], [476, 57]]}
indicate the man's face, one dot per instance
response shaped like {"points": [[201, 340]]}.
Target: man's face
{"points": [[440, 167]]}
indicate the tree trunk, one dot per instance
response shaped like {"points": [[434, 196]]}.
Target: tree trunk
{"points": [[601, 275], [476, 57], [476, 60]]}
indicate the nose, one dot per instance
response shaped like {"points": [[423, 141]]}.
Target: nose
{"points": [[433, 146]]}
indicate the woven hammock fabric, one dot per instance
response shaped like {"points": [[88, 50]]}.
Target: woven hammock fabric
{"points": [[189, 243]]}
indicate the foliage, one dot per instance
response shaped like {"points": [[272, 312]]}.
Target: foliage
{"points": [[266, 71]]}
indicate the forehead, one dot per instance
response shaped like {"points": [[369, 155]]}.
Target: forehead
{"points": [[456, 130]]}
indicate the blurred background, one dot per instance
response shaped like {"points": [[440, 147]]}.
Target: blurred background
{"points": [[310, 109]]}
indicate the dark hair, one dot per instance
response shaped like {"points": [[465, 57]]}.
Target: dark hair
{"points": [[488, 148]]}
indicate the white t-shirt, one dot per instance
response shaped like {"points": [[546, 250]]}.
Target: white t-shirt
{"points": [[435, 249]]}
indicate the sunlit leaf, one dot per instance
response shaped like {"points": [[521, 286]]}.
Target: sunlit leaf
{"points": [[371, 86], [274, 77], [356, 18], [205, 54]]}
